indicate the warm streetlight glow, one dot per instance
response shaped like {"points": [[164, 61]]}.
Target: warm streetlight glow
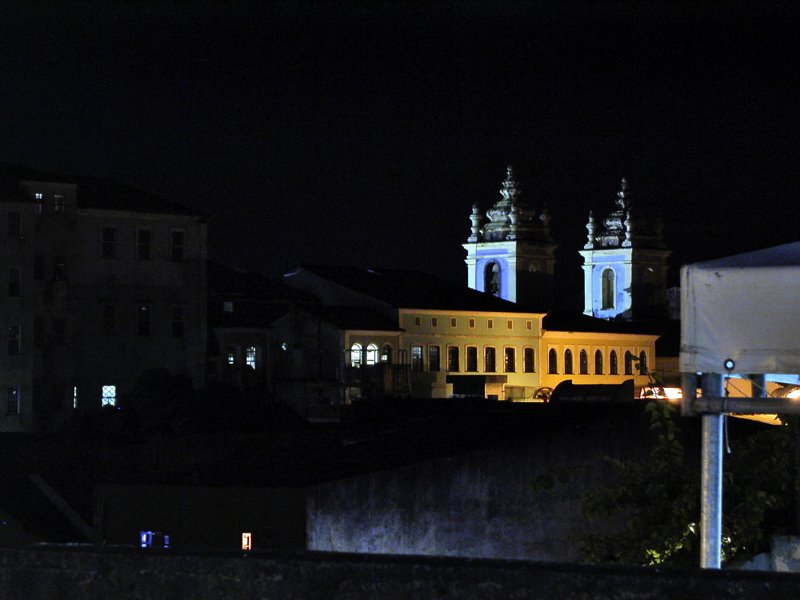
{"points": [[247, 541]]}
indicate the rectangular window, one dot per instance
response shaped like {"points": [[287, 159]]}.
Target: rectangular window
{"points": [[59, 269], [14, 282], [434, 322], [108, 323], [452, 358], [231, 357], [143, 319], [250, 357], [38, 199], [12, 405], [453, 322], [59, 204], [489, 323], [509, 366], [417, 321], [38, 267], [14, 224], [38, 332], [509, 324], [434, 363], [528, 325], [472, 359], [143, 238], [177, 320], [74, 396], [528, 358], [59, 331], [176, 245], [14, 339], [109, 395], [227, 306], [472, 323], [489, 360], [109, 243], [416, 358]]}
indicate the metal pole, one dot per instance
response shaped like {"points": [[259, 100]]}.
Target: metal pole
{"points": [[711, 480]]}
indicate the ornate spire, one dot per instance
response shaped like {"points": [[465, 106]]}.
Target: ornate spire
{"points": [[627, 243], [475, 228], [590, 227]]}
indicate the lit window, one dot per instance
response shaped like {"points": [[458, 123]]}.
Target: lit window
{"points": [[552, 362], [14, 282], [109, 242], [38, 200], [472, 359], [177, 320], [176, 245], [372, 354], [74, 396], [434, 363], [227, 306], [528, 357], [598, 362], [452, 359], [250, 357], [608, 292], [108, 323], [416, 358], [386, 353], [568, 362], [109, 396], [583, 362], [489, 360], [355, 355], [247, 541], [143, 319], [59, 204], [231, 356], [14, 224], [509, 365], [143, 239], [14, 339], [12, 406]]}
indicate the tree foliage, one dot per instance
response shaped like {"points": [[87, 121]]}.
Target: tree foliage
{"points": [[651, 514]]}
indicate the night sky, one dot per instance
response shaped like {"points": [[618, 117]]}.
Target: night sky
{"points": [[362, 133]]}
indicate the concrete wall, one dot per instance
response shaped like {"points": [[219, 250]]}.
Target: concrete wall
{"points": [[58, 574], [518, 500]]}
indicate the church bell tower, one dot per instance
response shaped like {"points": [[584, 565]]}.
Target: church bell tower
{"points": [[624, 265], [512, 255]]}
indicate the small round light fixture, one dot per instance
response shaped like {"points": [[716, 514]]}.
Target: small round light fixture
{"points": [[729, 364]]}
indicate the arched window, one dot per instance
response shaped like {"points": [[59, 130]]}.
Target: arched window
{"points": [[643, 363], [489, 360], [355, 355], [372, 354], [492, 279], [613, 368], [250, 357], [598, 362], [552, 361], [628, 363], [568, 362], [386, 353], [608, 284], [452, 359], [584, 363]]}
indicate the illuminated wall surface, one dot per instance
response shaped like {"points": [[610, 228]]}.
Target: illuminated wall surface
{"points": [[479, 504]]}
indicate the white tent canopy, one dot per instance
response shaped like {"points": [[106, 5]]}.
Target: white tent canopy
{"points": [[745, 308]]}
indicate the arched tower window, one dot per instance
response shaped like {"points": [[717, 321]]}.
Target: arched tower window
{"points": [[568, 362], [584, 363], [355, 355], [492, 282], [608, 282], [372, 354], [598, 362], [613, 367], [552, 361], [628, 363], [643, 363]]}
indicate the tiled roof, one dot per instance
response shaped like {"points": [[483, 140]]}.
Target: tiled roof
{"points": [[576, 321], [412, 289], [92, 192]]}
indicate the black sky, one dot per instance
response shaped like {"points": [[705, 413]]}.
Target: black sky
{"points": [[362, 133]]}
